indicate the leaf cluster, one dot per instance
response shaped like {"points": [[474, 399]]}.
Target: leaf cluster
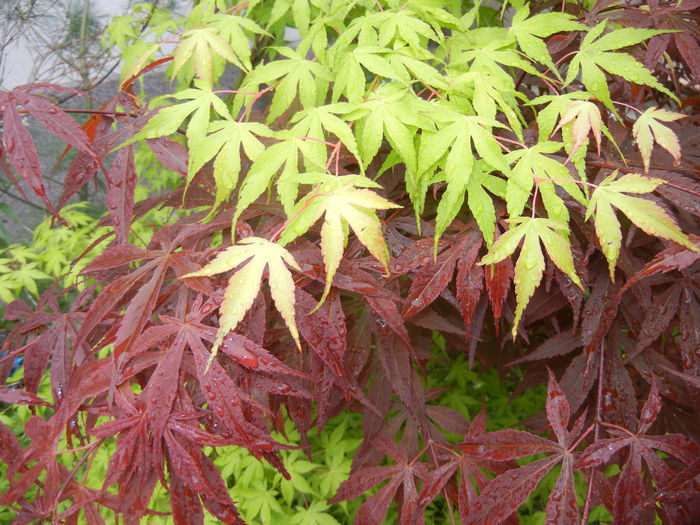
{"points": [[408, 178]]}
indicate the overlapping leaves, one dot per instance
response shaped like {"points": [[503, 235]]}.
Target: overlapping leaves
{"points": [[345, 202], [253, 255]]}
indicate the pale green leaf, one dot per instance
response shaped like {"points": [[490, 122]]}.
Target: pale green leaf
{"points": [[254, 254], [529, 31], [263, 170], [645, 214], [647, 130], [596, 54], [529, 267], [345, 205]]}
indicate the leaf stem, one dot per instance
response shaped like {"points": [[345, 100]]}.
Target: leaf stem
{"points": [[233, 10], [617, 427], [596, 435], [256, 97], [626, 106], [235, 92], [509, 141], [311, 196]]}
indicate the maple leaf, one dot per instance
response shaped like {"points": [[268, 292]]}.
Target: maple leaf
{"points": [[295, 76], [585, 117], [631, 487], [487, 94], [672, 258], [253, 255], [17, 144], [533, 162], [595, 55], [283, 155], [464, 470], [394, 112], [237, 31], [647, 215], [402, 474], [492, 57], [432, 279], [199, 101], [529, 31], [647, 130], [507, 491], [313, 127], [224, 141], [197, 45], [454, 142], [345, 201], [530, 265]]}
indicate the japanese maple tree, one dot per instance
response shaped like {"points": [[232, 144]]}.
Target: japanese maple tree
{"points": [[518, 179]]}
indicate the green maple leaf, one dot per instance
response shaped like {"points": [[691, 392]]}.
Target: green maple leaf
{"points": [[492, 58], [480, 204], [530, 265], [392, 64], [594, 56], [198, 46], [251, 256], [479, 201], [647, 130], [236, 31], [529, 32], [455, 141], [283, 155], [295, 76], [557, 105], [409, 67], [487, 93], [533, 162], [317, 123], [224, 141], [135, 57], [390, 26], [647, 215], [345, 201], [199, 103], [395, 112], [578, 117]]}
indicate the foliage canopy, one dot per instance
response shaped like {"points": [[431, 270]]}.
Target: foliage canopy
{"points": [[509, 181]]}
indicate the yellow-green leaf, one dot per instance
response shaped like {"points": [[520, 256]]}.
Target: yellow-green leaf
{"points": [[346, 201], [647, 130], [646, 214], [198, 45], [254, 254], [530, 264]]}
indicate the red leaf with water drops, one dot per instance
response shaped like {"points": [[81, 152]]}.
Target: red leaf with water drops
{"points": [[10, 446], [57, 121], [325, 338], [507, 491], [254, 357], [429, 283], [632, 485], [21, 152], [557, 410], [403, 474], [171, 154], [469, 284], [675, 257], [185, 503], [121, 183], [498, 277]]}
